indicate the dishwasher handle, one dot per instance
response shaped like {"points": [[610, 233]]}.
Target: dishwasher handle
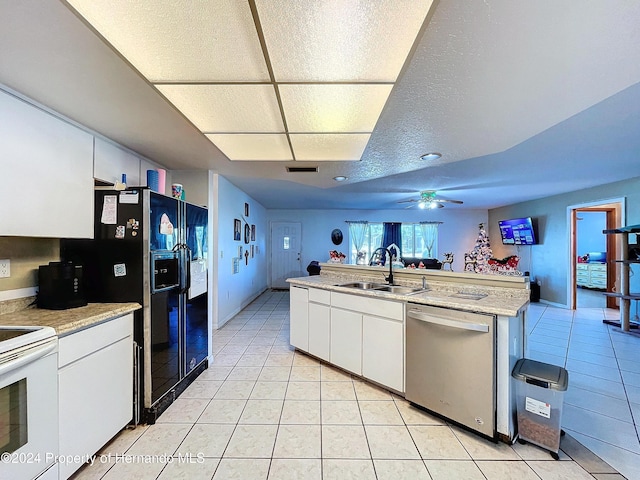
{"points": [[447, 322]]}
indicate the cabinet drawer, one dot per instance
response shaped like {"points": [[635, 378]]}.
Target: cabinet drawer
{"points": [[368, 305], [595, 267], [582, 267], [599, 282], [320, 296], [298, 294], [599, 274], [83, 343]]}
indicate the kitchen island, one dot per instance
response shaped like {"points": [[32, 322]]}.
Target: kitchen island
{"points": [[363, 330]]}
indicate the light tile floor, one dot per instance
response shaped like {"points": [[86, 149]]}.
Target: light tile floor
{"points": [[602, 403], [263, 411]]}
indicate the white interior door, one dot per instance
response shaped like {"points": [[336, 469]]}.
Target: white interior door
{"points": [[285, 253]]}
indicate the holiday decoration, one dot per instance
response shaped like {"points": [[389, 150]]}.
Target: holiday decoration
{"points": [[478, 259], [505, 266], [448, 260], [336, 256]]}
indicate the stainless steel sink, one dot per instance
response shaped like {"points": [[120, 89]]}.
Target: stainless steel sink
{"points": [[401, 289], [362, 285]]}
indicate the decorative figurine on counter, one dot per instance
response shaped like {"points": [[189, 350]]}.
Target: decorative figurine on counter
{"points": [[469, 262], [448, 260], [336, 256], [507, 265]]}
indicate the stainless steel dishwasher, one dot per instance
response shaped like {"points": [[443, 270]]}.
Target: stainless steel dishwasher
{"points": [[450, 365]]}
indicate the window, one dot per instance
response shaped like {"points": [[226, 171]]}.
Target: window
{"points": [[414, 243], [372, 240]]}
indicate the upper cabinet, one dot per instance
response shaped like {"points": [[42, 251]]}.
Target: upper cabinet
{"points": [[111, 161], [46, 167]]}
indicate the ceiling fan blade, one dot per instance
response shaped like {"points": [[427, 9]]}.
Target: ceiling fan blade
{"points": [[459, 202], [411, 200]]}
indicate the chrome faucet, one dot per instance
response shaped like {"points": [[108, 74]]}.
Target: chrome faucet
{"points": [[388, 279]]}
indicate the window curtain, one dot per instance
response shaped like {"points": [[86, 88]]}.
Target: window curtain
{"points": [[430, 236], [357, 232], [392, 233]]}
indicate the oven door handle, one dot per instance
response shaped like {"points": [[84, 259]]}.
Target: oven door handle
{"points": [[447, 322], [15, 360]]}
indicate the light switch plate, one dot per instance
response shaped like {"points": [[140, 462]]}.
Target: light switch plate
{"points": [[5, 268]]}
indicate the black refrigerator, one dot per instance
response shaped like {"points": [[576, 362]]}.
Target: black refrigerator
{"points": [[152, 249]]}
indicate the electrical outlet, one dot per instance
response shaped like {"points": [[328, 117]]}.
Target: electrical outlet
{"points": [[5, 268]]}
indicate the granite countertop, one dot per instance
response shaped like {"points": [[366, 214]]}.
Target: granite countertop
{"points": [[497, 301], [68, 321]]}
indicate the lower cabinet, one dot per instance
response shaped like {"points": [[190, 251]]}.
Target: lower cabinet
{"points": [[362, 335], [346, 340], [299, 318], [319, 330], [367, 338], [383, 351], [95, 388]]}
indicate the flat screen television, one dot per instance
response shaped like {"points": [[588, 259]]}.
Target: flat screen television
{"points": [[517, 231]]}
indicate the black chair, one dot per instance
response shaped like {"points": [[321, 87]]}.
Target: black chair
{"points": [[313, 268]]}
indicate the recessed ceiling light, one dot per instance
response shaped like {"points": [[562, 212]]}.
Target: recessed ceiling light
{"points": [[340, 178], [430, 156]]}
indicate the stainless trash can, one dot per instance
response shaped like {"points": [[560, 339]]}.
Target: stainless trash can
{"points": [[539, 397]]}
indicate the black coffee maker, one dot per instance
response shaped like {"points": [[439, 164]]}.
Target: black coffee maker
{"points": [[60, 286]]}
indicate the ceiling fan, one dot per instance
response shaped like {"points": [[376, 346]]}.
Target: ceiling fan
{"points": [[428, 199]]}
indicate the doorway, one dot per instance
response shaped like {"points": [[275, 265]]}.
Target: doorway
{"points": [[285, 253], [593, 266]]}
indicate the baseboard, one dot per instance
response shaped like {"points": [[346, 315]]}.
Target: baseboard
{"points": [[245, 302], [554, 304]]}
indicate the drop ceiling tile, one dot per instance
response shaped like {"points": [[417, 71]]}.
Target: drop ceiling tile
{"points": [[341, 40], [181, 41], [329, 147], [334, 107], [253, 147], [227, 108]]}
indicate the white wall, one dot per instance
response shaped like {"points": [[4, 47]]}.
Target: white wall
{"points": [[234, 292], [550, 259], [196, 184], [457, 233]]}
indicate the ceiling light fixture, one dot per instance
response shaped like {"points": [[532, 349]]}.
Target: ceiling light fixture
{"points": [[429, 204], [430, 156], [340, 178], [281, 81]]}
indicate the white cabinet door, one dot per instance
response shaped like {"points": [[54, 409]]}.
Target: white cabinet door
{"points": [[299, 318], [111, 161], [346, 340], [383, 351], [319, 330], [96, 389], [46, 167]]}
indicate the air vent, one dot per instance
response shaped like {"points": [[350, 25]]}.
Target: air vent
{"points": [[301, 169]]}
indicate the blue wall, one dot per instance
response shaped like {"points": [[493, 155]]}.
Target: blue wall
{"points": [[456, 234], [235, 291], [589, 232]]}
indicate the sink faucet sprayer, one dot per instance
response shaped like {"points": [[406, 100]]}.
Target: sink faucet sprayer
{"points": [[389, 279], [424, 282]]}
